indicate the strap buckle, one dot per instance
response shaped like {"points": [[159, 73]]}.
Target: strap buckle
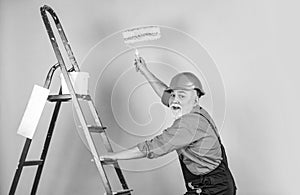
{"points": [[197, 190]]}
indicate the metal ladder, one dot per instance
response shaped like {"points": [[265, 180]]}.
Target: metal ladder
{"points": [[74, 98]]}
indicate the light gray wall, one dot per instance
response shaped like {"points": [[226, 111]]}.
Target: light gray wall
{"points": [[254, 47]]}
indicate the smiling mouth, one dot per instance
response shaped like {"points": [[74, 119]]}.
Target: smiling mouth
{"points": [[175, 107]]}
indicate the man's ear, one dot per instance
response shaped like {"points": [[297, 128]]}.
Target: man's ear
{"points": [[196, 100]]}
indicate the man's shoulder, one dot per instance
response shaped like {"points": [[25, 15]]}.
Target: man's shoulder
{"points": [[202, 112], [192, 119]]}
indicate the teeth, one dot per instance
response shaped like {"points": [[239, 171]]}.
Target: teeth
{"points": [[175, 107]]}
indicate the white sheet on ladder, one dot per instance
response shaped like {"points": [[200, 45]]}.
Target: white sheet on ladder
{"points": [[33, 111]]}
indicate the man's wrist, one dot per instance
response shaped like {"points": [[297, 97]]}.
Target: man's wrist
{"points": [[144, 71]]}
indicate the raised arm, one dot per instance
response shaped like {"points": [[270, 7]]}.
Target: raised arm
{"points": [[157, 85], [159, 88]]}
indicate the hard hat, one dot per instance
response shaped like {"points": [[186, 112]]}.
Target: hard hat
{"points": [[186, 81]]}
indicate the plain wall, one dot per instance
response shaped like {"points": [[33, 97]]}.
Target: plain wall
{"points": [[253, 45]]}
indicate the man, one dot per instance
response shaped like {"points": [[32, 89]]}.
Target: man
{"points": [[193, 135]]}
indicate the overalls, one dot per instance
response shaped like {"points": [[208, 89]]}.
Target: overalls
{"points": [[217, 182]]}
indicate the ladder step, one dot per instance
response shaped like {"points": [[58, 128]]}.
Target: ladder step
{"points": [[33, 162], [67, 97], [109, 162], [96, 129], [123, 192]]}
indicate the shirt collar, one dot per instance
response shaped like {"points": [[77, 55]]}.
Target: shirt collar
{"points": [[196, 109]]}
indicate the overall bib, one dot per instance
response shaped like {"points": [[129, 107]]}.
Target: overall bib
{"points": [[217, 182]]}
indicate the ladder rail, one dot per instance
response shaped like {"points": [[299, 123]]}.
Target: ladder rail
{"points": [[46, 146], [99, 123], [75, 101], [20, 167], [107, 143], [87, 129], [27, 144], [50, 76], [62, 34]]}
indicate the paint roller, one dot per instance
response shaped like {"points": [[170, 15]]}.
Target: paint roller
{"points": [[139, 34]]}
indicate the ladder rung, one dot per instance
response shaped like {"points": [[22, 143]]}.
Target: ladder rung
{"points": [[96, 129], [123, 192], [67, 97], [33, 162]]}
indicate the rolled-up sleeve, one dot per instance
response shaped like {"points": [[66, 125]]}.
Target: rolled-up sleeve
{"points": [[165, 98], [184, 131]]}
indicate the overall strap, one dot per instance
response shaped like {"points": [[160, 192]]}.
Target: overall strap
{"points": [[189, 177], [212, 124]]}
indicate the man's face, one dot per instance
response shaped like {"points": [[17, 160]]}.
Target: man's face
{"points": [[182, 102]]}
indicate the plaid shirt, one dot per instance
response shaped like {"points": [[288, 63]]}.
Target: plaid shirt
{"points": [[193, 134]]}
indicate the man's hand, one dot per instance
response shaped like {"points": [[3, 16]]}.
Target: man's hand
{"points": [[157, 85], [140, 65], [108, 157]]}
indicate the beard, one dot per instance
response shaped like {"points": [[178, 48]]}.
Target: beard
{"points": [[176, 114], [176, 110]]}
